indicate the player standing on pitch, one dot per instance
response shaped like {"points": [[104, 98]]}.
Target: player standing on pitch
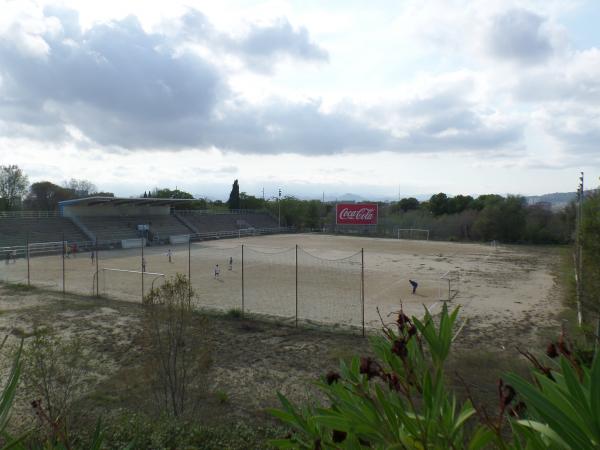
{"points": [[217, 272], [414, 285], [170, 254], [231, 263]]}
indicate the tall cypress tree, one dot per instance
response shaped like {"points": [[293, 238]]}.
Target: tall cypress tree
{"points": [[234, 196]]}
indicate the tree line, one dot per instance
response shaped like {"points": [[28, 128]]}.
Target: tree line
{"points": [[485, 218], [461, 217]]}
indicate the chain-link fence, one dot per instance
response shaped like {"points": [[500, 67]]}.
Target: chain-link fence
{"points": [[289, 284]]}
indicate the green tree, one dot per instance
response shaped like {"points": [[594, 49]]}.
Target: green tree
{"points": [[313, 216], [502, 219], [459, 203], [590, 241], [248, 201], [408, 204], [401, 399], [44, 196], [438, 204], [179, 352], [486, 200], [234, 196], [170, 193], [13, 186]]}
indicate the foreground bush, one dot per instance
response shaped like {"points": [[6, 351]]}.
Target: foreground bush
{"points": [[400, 400]]}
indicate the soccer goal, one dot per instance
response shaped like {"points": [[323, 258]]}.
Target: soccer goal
{"points": [[449, 285], [125, 284], [413, 233]]}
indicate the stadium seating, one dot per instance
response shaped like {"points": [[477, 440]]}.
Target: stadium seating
{"points": [[15, 231], [208, 223], [115, 228]]}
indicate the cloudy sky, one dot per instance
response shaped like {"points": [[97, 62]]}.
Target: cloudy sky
{"points": [[375, 98]]}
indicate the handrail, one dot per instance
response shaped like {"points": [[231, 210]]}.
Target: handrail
{"points": [[208, 212], [29, 214]]}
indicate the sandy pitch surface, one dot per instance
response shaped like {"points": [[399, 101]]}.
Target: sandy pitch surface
{"points": [[502, 281]]}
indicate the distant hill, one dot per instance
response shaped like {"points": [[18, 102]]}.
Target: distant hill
{"points": [[557, 199]]}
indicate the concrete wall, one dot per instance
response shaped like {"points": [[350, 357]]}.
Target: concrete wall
{"points": [[122, 210]]}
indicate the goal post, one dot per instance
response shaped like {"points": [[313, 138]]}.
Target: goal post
{"points": [[449, 285], [133, 284], [413, 233]]}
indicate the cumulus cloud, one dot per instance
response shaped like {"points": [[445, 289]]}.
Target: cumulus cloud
{"points": [[120, 86], [575, 79], [260, 47], [521, 36]]}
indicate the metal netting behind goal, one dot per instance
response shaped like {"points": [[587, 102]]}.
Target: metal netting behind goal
{"points": [[222, 290], [123, 284], [270, 282], [330, 288]]}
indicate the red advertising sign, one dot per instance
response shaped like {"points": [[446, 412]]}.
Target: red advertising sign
{"points": [[356, 214]]}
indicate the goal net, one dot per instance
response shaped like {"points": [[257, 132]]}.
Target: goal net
{"points": [[216, 276], [270, 281], [329, 288], [126, 284], [413, 233], [449, 285], [13, 264], [46, 263]]}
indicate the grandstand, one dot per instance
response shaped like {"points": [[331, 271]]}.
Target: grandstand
{"points": [[113, 220], [17, 229], [207, 223], [125, 227]]}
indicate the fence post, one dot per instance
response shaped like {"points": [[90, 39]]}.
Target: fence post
{"points": [[362, 287], [242, 280], [63, 263], [296, 285], [97, 271], [143, 268], [190, 268], [28, 268]]}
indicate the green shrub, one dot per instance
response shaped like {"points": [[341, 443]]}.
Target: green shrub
{"points": [[400, 400]]}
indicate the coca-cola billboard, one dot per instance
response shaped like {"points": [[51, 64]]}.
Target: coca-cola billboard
{"points": [[356, 214]]}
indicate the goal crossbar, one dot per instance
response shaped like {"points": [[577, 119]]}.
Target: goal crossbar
{"points": [[108, 269], [95, 281], [411, 232]]}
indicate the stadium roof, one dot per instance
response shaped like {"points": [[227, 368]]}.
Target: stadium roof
{"points": [[117, 201]]}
